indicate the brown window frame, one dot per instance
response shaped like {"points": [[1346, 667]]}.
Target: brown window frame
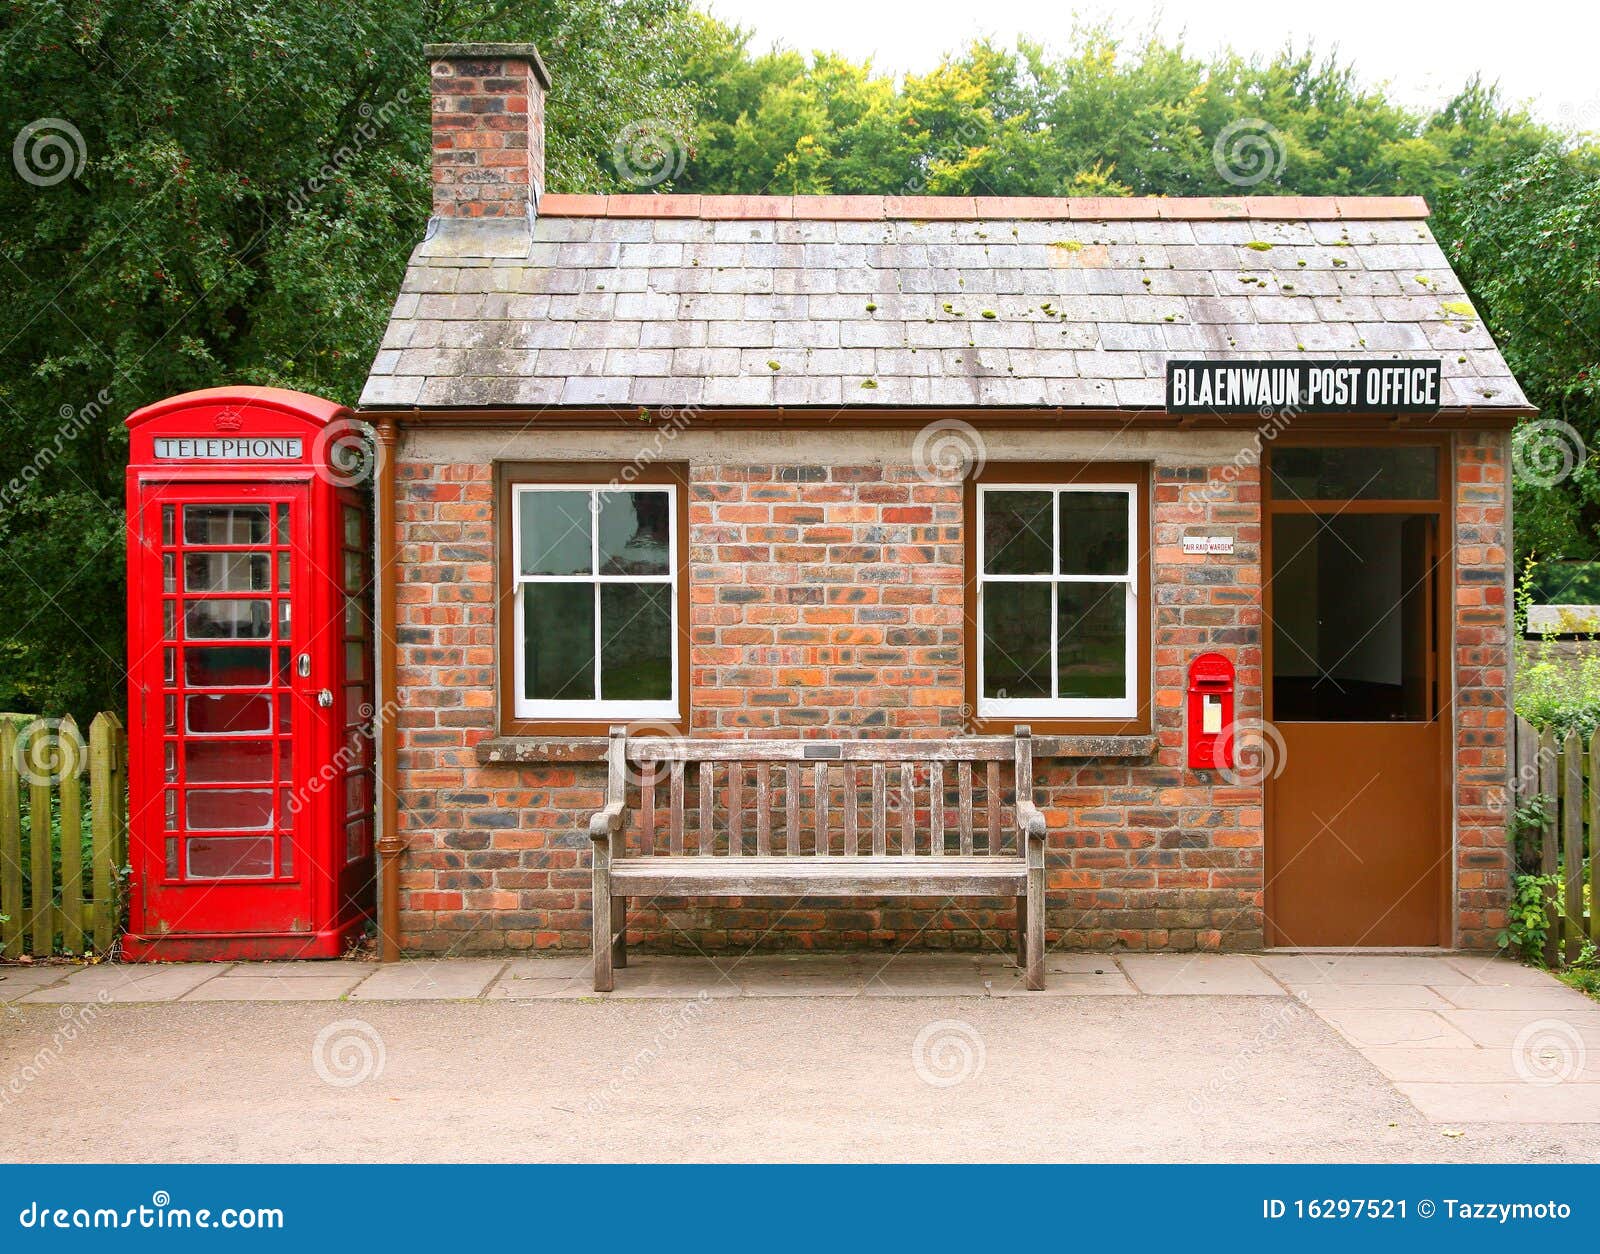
{"points": [[508, 476], [1063, 473]]}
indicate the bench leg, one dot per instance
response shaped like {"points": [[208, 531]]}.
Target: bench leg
{"points": [[1033, 970], [601, 905], [619, 927], [1022, 933]]}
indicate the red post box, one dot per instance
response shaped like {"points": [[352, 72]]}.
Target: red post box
{"points": [[1210, 717], [250, 673]]}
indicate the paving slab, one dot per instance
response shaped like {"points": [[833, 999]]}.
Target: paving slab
{"points": [[18, 981], [1490, 969], [1506, 1103], [1556, 996], [649, 976], [1370, 997], [1503, 1028], [1007, 981], [1425, 1029], [923, 976], [1306, 970], [566, 975], [1194, 975], [274, 988], [316, 969], [1459, 1066], [116, 983], [429, 979], [821, 975]]}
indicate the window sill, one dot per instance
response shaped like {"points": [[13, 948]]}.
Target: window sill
{"points": [[519, 750]]}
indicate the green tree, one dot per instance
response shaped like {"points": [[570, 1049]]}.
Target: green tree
{"points": [[253, 176]]}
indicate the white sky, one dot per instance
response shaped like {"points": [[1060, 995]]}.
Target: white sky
{"points": [[1543, 52]]}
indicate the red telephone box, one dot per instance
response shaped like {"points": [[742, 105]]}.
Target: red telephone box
{"points": [[250, 678]]}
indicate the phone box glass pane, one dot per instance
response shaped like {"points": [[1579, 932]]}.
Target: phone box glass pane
{"points": [[230, 857]]}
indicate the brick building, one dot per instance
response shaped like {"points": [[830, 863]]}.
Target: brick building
{"points": [[913, 467]]}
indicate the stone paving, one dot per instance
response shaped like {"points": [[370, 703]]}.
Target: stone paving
{"points": [[1464, 1038]]}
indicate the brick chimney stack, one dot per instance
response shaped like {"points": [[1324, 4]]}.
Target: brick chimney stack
{"points": [[488, 129]]}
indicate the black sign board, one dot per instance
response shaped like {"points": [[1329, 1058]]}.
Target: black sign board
{"points": [[1307, 387]]}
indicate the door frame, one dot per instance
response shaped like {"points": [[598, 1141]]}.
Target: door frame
{"points": [[1442, 508], [312, 726]]}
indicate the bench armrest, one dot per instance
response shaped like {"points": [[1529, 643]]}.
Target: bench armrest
{"points": [[1030, 822], [606, 823]]}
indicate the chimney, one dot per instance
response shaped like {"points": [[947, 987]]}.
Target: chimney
{"points": [[488, 129]]}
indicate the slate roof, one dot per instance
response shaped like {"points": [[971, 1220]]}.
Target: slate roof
{"points": [[865, 301]]}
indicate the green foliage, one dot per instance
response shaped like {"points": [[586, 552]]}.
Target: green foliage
{"points": [[1523, 230], [1559, 693], [1527, 922], [255, 175]]}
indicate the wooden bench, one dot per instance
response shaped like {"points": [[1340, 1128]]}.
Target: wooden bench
{"points": [[840, 802]]}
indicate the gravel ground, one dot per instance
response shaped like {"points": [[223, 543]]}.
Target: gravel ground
{"points": [[802, 1079]]}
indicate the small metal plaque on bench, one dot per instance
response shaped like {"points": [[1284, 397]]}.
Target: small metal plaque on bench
{"points": [[821, 751]]}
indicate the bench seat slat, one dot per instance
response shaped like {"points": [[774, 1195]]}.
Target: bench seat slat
{"points": [[909, 876]]}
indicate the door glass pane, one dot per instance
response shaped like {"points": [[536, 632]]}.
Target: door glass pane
{"points": [[1091, 626], [225, 572], [556, 535], [558, 655], [169, 572], [1404, 472], [1094, 533], [168, 531], [227, 619], [283, 571], [1351, 607], [636, 642], [634, 533], [227, 761], [228, 809], [225, 524], [227, 666], [1018, 530], [230, 857], [1016, 640], [215, 712]]}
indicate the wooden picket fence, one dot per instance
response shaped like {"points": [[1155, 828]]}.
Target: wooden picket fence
{"points": [[1567, 775], [49, 902]]}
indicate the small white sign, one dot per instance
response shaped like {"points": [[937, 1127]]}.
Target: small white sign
{"points": [[1208, 544], [230, 448]]}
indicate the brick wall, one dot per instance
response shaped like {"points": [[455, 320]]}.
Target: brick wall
{"points": [[1481, 642], [488, 132], [823, 597]]}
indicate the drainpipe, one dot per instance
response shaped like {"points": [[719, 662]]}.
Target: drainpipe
{"points": [[386, 555]]}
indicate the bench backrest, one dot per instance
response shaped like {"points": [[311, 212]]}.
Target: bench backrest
{"points": [[835, 798]]}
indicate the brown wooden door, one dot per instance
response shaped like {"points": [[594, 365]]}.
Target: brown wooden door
{"points": [[1356, 814], [1353, 835]]}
